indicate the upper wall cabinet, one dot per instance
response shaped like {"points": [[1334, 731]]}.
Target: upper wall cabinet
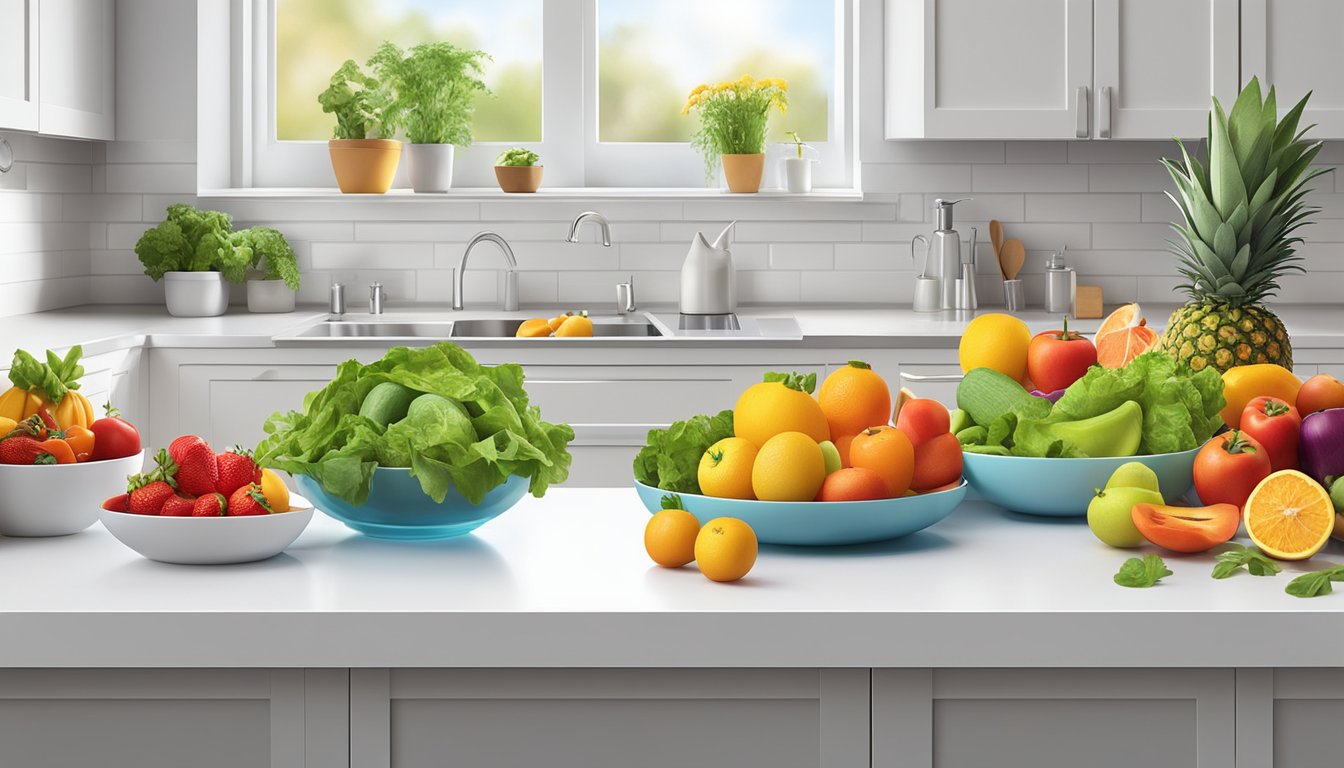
{"points": [[77, 69], [1294, 45], [1057, 69], [18, 65]]}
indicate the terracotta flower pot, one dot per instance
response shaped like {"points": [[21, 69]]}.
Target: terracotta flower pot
{"points": [[519, 178], [364, 166], [744, 172]]}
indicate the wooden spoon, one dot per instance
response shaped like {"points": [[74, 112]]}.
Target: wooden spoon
{"points": [[1011, 259], [996, 237]]}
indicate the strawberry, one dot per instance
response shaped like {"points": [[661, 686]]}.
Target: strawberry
{"points": [[210, 505], [118, 503], [22, 449], [236, 469], [248, 501], [197, 471], [148, 499], [177, 505]]}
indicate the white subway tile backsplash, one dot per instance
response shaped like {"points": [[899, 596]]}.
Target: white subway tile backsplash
{"points": [[24, 207], [802, 256], [1150, 236], [55, 177], [863, 287], [346, 256], [877, 256], [929, 151], [1082, 208], [1128, 178], [915, 177], [799, 232], [1033, 152], [1029, 178], [769, 287], [176, 177]]}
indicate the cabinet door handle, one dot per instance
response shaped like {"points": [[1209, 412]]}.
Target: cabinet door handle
{"points": [[1080, 110], [1104, 107]]}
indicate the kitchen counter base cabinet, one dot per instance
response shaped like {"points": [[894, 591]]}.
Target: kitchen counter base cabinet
{"points": [[1289, 717]]}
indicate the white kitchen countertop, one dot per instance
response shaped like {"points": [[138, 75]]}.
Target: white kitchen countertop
{"points": [[565, 582]]}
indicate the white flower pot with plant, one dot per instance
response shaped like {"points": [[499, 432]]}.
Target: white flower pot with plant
{"points": [[274, 277], [517, 170], [798, 169], [435, 85], [364, 162], [733, 121], [197, 254]]}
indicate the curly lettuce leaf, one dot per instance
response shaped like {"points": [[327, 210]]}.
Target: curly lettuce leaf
{"points": [[671, 458]]}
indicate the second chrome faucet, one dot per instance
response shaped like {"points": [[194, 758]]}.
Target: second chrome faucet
{"points": [[510, 275]]}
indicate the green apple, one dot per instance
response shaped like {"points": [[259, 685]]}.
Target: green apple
{"points": [[1134, 475], [1110, 515], [832, 456]]}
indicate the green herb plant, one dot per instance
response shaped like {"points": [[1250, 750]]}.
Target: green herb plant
{"points": [[1141, 574], [268, 250], [1253, 560], [435, 87], [360, 102], [518, 157], [1315, 583], [191, 240], [734, 117], [797, 142]]}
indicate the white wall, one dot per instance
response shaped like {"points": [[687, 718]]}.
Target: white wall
{"points": [[1102, 199]]}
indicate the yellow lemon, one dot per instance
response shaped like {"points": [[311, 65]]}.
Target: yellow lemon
{"points": [[789, 467], [996, 341], [275, 491], [725, 469]]}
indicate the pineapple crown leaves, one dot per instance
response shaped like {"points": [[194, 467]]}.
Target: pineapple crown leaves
{"points": [[1242, 210], [796, 381]]}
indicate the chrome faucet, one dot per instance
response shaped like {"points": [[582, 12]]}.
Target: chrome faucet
{"points": [[591, 216], [510, 276]]}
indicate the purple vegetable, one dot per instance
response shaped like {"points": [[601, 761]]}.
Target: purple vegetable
{"points": [[1321, 445], [1053, 397]]}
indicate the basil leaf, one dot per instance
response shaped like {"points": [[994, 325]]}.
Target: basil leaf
{"points": [[1233, 559], [1141, 574], [1312, 584]]}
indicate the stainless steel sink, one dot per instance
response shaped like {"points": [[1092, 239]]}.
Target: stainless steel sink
{"points": [[340, 330], [499, 328]]}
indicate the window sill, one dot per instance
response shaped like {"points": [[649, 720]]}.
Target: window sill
{"points": [[493, 194]]}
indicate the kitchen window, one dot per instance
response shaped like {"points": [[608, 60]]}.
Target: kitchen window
{"points": [[595, 86]]}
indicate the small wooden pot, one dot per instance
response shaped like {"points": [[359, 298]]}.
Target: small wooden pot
{"points": [[744, 172], [519, 178], [364, 166]]}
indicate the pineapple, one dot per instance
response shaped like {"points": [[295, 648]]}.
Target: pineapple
{"points": [[1237, 238]]}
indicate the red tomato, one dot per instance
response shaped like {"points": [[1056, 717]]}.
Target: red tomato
{"points": [[937, 462], [922, 420], [1056, 359], [1319, 393], [1187, 529], [1229, 467], [114, 437], [1276, 425]]}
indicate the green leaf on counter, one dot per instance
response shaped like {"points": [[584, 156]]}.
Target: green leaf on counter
{"points": [[1253, 560], [1141, 574], [1315, 583]]}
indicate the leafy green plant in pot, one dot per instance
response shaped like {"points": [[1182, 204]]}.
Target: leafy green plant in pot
{"points": [[435, 85], [518, 170], [364, 157], [273, 278], [195, 254]]}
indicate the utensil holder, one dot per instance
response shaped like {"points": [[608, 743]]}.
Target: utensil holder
{"points": [[1014, 296], [928, 294]]}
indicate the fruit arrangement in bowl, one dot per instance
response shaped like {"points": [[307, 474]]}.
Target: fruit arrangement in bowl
{"points": [[57, 461], [422, 444], [842, 467], [198, 507]]}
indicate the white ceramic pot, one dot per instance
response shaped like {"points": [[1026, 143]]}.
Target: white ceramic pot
{"points": [[798, 175], [195, 294], [59, 499], [269, 296], [432, 167]]}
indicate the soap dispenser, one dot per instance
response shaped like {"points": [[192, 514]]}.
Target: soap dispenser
{"points": [[1061, 285], [709, 277], [945, 252]]}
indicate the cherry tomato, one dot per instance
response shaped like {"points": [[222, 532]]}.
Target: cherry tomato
{"points": [[922, 420], [1276, 425], [937, 463], [1229, 467], [1056, 359], [114, 437], [1320, 393], [81, 442]]}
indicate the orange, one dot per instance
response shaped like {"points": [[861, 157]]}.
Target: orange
{"points": [[854, 398], [842, 445], [537, 327], [995, 341], [669, 536], [853, 484], [767, 409], [1289, 516], [725, 469], [888, 452], [1123, 336], [725, 549], [577, 326], [275, 491], [789, 467]]}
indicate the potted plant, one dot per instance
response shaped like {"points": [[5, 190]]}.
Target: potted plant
{"points": [[363, 158], [194, 252], [798, 170], [435, 85], [274, 275], [517, 170], [733, 121]]}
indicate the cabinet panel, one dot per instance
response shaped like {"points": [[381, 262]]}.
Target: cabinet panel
{"points": [[1294, 46], [77, 69], [18, 65], [1287, 717]]}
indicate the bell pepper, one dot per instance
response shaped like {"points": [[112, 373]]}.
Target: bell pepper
{"points": [[60, 449], [1276, 425], [81, 441], [1243, 384]]}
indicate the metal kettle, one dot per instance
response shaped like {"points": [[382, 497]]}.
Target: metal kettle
{"points": [[709, 277]]}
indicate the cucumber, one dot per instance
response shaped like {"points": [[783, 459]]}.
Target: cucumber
{"points": [[959, 420], [986, 394], [387, 403]]}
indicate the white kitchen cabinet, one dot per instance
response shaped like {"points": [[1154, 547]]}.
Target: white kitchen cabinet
{"points": [[1294, 45], [652, 718], [77, 68], [1288, 717], [18, 64], [1054, 718]]}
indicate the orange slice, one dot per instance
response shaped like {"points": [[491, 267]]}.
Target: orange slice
{"points": [[1128, 316], [1124, 336], [1289, 516]]}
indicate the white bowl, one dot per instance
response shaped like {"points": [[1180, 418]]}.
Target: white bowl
{"points": [[210, 540], [59, 499]]}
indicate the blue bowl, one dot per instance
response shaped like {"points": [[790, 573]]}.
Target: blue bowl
{"points": [[819, 524], [1064, 487], [397, 509]]}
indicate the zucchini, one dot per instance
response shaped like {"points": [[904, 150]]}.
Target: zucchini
{"points": [[387, 403]]}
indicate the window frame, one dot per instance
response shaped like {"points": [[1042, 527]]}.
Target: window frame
{"points": [[570, 150]]}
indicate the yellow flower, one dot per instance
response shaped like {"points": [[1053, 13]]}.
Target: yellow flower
{"points": [[724, 86], [746, 80]]}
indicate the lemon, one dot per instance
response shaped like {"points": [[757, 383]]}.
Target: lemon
{"points": [[995, 341], [789, 467], [725, 469], [275, 491]]}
